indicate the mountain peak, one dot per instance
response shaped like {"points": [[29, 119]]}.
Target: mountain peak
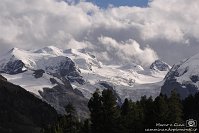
{"points": [[16, 53], [71, 51], [160, 65], [15, 49], [50, 50]]}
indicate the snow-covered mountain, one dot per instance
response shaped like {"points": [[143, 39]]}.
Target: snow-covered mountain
{"points": [[160, 65], [183, 77], [71, 75]]}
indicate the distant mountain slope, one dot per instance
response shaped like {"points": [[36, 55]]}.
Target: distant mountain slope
{"points": [[183, 77], [22, 112], [67, 76]]}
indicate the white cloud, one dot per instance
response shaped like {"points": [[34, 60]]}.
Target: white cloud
{"points": [[73, 44], [128, 51], [166, 26]]}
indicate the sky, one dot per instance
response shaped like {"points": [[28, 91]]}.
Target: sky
{"points": [[116, 31], [106, 3], [115, 3]]}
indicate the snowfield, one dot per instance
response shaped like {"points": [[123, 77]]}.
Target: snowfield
{"points": [[128, 80]]}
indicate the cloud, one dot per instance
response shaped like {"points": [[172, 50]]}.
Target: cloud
{"points": [[165, 28], [73, 44], [128, 51]]}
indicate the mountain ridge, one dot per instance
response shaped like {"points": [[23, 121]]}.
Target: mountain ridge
{"points": [[76, 73], [183, 77]]}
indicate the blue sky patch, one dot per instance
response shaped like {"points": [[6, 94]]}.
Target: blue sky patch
{"points": [[106, 3]]}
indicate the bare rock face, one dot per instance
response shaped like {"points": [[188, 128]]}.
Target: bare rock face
{"points": [[63, 94], [160, 65], [13, 67], [110, 86], [38, 73]]}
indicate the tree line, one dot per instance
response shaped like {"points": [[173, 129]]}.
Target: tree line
{"points": [[106, 116]]}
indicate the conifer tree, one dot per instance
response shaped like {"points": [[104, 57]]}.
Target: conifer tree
{"points": [[146, 109], [140, 116], [161, 109], [175, 108], [96, 112], [110, 111], [124, 118], [71, 119], [191, 107], [125, 108], [104, 112], [131, 117], [85, 127]]}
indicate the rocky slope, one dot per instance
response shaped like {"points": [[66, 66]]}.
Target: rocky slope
{"points": [[160, 65], [22, 112], [183, 77]]}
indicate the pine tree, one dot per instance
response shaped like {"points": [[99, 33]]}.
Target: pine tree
{"points": [[175, 108], [125, 109], [161, 109], [110, 111], [146, 109], [140, 116], [124, 118], [96, 112], [131, 117], [191, 107], [71, 119], [196, 102], [149, 113], [104, 112], [86, 127]]}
